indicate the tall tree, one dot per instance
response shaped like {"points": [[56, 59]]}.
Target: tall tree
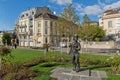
{"points": [[68, 22], [66, 28], [70, 14], [6, 39]]}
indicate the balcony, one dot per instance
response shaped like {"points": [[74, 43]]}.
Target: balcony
{"points": [[23, 39], [31, 24], [26, 39], [22, 26], [23, 33], [30, 39], [30, 32], [38, 34]]}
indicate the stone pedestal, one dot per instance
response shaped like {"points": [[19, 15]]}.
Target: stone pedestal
{"points": [[69, 74]]}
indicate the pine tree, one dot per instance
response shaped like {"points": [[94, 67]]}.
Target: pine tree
{"points": [[86, 18]]}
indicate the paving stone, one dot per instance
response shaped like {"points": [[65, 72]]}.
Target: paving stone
{"points": [[69, 74]]}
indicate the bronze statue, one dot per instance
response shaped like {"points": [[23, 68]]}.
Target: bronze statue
{"points": [[74, 51]]}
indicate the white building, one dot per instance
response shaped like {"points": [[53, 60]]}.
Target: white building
{"points": [[110, 21], [1, 34], [35, 27]]}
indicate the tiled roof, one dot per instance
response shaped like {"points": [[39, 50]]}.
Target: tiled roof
{"points": [[47, 15], [43, 11], [112, 11]]}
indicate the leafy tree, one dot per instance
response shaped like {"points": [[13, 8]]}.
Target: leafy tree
{"points": [[6, 39], [91, 33], [67, 23], [66, 28], [69, 14]]}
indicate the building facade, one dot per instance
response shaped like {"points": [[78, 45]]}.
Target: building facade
{"points": [[110, 21], [91, 23], [35, 27], [1, 34]]}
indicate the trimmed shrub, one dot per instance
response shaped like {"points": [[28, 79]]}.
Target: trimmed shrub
{"points": [[114, 62], [5, 50]]}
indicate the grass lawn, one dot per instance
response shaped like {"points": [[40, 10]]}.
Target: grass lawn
{"points": [[25, 55], [21, 56]]}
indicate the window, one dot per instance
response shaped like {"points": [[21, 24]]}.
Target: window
{"points": [[23, 23], [25, 30], [25, 37], [39, 27], [39, 24], [31, 37], [51, 24], [46, 40], [46, 23], [32, 13], [27, 14], [19, 29], [51, 30], [118, 22], [22, 16], [39, 30], [46, 31], [109, 23]]}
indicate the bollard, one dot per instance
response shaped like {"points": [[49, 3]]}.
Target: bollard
{"points": [[89, 72]]}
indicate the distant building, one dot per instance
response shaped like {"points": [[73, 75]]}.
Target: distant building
{"points": [[36, 26], [11, 32], [89, 23], [1, 34], [110, 21]]}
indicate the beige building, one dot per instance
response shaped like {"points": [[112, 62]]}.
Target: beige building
{"points": [[1, 34], [45, 31], [35, 27], [110, 21], [90, 23]]}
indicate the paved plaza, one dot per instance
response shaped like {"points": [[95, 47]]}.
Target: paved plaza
{"points": [[84, 74]]}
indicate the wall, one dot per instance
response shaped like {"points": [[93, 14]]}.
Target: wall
{"points": [[99, 45]]}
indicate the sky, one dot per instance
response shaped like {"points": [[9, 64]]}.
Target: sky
{"points": [[11, 9]]}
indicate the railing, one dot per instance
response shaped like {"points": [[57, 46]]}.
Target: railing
{"points": [[23, 32], [26, 39], [23, 25]]}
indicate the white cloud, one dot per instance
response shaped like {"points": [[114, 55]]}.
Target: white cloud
{"points": [[62, 2], [113, 5], [77, 6], [101, 4], [93, 10], [108, 1], [96, 9]]}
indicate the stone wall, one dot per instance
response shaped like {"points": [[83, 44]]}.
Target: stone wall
{"points": [[101, 45]]}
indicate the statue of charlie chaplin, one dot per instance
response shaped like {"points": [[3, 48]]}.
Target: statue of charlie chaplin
{"points": [[74, 51]]}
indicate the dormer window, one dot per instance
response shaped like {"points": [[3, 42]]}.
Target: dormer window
{"points": [[22, 16], [27, 14], [32, 13]]}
